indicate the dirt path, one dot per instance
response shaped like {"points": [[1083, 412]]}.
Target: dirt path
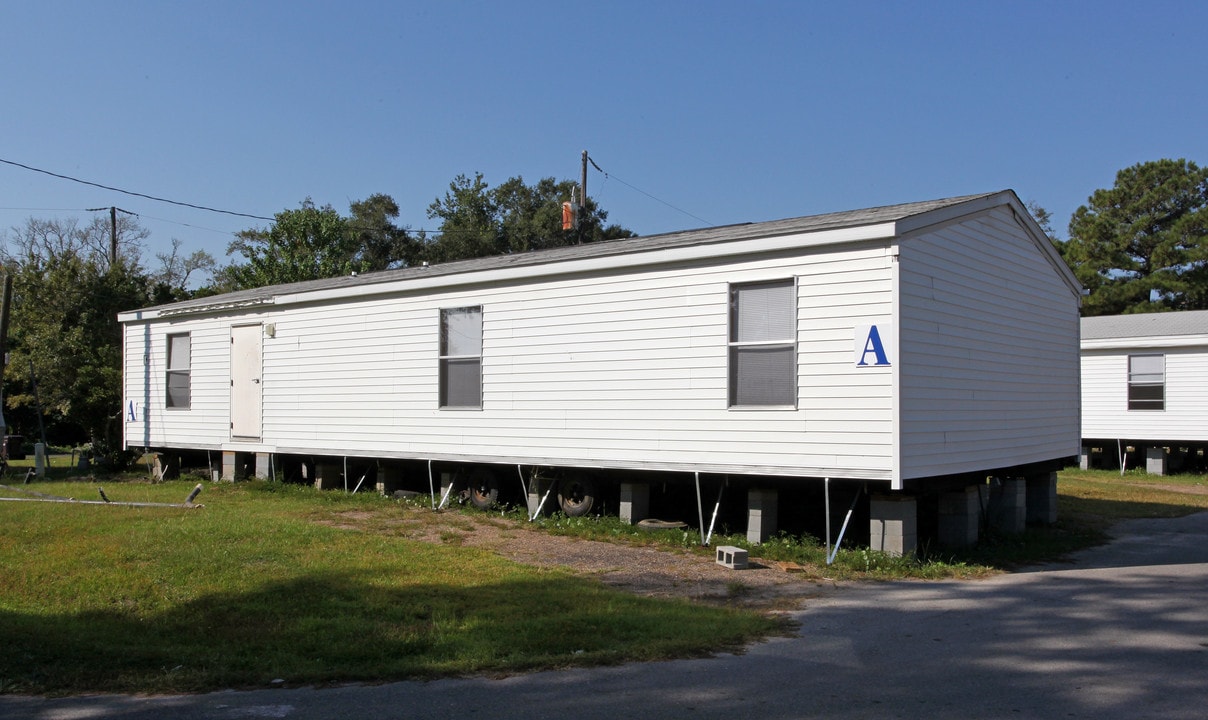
{"points": [[655, 572]]}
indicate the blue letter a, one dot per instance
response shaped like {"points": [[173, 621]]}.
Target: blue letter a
{"points": [[873, 345]]}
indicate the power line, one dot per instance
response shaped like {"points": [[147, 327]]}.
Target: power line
{"points": [[652, 197], [135, 194]]}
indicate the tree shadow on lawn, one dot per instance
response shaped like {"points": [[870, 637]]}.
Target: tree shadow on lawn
{"points": [[339, 627]]}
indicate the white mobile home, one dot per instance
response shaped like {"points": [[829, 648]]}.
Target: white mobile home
{"points": [[908, 349], [1145, 385]]}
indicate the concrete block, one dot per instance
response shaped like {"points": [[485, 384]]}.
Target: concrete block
{"points": [[762, 514], [1042, 499], [635, 502], [893, 524], [1009, 506], [448, 488], [1155, 460], [389, 478], [1084, 459], [228, 465], [732, 557], [959, 517], [263, 461], [538, 487]]}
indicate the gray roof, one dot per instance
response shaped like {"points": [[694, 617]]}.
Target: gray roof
{"points": [[1189, 322], [686, 238]]}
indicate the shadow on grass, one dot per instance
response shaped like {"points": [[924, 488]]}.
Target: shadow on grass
{"points": [[317, 630]]}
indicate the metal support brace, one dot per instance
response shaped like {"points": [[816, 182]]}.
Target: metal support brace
{"points": [[431, 487], [830, 556], [541, 505], [524, 487], [716, 507], [700, 511]]}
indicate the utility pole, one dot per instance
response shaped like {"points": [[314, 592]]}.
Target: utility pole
{"points": [[583, 182], [112, 231], [112, 236]]}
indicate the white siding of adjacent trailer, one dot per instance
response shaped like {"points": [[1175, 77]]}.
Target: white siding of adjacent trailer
{"points": [[1105, 413], [989, 337], [616, 369], [206, 422]]}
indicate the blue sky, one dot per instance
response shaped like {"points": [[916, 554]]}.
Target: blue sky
{"points": [[724, 112]]}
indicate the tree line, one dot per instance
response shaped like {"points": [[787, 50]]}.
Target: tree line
{"points": [[1139, 246]]}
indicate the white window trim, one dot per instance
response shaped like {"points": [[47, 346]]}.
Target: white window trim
{"points": [[732, 345], [186, 371], [1136, 383], [443, 360]]}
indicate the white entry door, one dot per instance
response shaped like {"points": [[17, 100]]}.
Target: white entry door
{"points": [[246, 390]]}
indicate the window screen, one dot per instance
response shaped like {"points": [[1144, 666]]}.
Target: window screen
{"points": [[1146, 382], [177, 375], [763, 344], [461, 357]]}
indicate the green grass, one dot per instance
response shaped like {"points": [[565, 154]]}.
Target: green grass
{"points": [[274, 582], [261, 585], [1088, 503]]}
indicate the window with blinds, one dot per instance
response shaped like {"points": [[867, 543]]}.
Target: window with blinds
{"points": [[763, 344], [1146, 382], [461, 358], [176, 383]]}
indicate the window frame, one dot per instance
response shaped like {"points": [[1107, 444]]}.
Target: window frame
{"points": [[1140, 382], [449, 360], [172, 371], [736, 348]]}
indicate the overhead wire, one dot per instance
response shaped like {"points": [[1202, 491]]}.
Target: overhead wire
{"points": [[132, 193], [608, 175]]}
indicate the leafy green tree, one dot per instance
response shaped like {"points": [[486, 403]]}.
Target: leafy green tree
{"points": [[313, 242], [304, 244], [381, 245], [1142, 245], [478, 220], [66, 296]]}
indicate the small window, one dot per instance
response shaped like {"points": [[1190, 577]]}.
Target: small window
{"points": [[461, 358], [1146, 382], [177, 380], [763, 344]]}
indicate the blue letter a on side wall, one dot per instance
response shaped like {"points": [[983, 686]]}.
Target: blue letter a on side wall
{"points": [[873, 345]]}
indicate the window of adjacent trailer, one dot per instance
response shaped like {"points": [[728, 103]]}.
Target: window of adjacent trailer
{"points": [[1146, 382], [461, 357], [763, 344], [176, 382]]}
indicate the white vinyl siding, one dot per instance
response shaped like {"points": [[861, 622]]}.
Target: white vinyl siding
{"points": [[1146, 382], [988, 338], [763, 344], [176, 376], [624, 369], [461, 358], [1105, 394], [628, 364]]}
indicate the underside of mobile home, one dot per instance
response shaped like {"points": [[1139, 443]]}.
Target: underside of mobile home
{"points": [[899, 356]]}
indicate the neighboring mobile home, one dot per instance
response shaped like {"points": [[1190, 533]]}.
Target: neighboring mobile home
{"points": [[1145, 386], [913, 350]]}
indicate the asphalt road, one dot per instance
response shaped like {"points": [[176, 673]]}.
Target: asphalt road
{"points": [[1122, 632]]}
